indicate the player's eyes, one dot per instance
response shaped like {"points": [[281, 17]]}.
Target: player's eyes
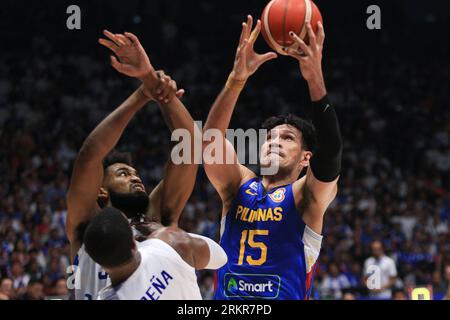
{"points": [[122, 174]]}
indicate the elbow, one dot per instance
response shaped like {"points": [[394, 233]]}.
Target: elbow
{"points": [[218, 258], [88, 149], [89, 152]]}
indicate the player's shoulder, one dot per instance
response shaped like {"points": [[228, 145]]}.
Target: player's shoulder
{"points": [[174, 237], [388, 260], [246, 175]]}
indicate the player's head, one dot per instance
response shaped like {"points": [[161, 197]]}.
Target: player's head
{"points": [[122, 187], [108, 239], [290, 142], [377, 249]]}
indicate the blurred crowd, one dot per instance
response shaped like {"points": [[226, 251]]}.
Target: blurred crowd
{"points": [[393, 201]]}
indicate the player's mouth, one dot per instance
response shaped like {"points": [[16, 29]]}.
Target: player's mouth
{"points": [[277, 152], [138, 187]]}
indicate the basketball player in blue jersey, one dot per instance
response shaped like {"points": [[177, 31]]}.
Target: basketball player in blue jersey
{"points": [[271, 225], [103, 179]]}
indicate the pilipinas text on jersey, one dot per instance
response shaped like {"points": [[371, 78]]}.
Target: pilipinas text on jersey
{"points": [[272, 254]]}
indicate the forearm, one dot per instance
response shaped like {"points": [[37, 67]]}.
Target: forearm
{"points": [[217, 256], [316, 86], [177, 116], [326, 160], [221, 111], [106, 135]]}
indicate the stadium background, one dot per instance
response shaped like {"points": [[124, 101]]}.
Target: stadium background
{"points": [[390, 88]]}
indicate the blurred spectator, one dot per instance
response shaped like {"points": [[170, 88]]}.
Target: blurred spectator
{"points": [[348, 296], [393, 111], [35, 291], [333, 283], [207, 286], [6, 289], [20, 278], [382, 266], [59, 291], [399, 295]]}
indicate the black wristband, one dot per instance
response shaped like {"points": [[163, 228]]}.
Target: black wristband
{"points": [[326, 160]]}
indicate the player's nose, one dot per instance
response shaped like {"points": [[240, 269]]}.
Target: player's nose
{"points": [[136, 179]]}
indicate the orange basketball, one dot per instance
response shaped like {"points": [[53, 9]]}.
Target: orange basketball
{"points": [[281, 16]]}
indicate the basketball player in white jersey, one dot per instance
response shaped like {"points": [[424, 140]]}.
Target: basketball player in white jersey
{"points": [[161, 268], [103, 179]]}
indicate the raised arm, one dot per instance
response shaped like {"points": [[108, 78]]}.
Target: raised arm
{"points": [[227, 177], [87, 175], [320, 186], [170, 196], [179, 178]]}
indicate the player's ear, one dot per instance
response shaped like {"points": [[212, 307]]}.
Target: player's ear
{"points": [[306, 156], [103, 197], [134, 247]]}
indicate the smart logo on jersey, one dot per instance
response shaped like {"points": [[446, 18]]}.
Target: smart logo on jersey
{"points": [[265, 286], [278, 195], [232, 286]]}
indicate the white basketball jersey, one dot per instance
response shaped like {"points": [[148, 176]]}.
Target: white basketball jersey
{"points": [[161, 275], [90, 277]]}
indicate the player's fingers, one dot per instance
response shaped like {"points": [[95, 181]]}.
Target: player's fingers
{"points": [[296, 52], [169, 91], [180, 93], [133, 38], [300, 43], [116, 64], [162, 89], [119, 41], [110, 36], [255, 33], [266, 57], [320, 34], [124, 41], [163, 83], [109, 44], [293, 52], [311, 36], [243, 32], [160, 74], [249, 26], [242, 47]]}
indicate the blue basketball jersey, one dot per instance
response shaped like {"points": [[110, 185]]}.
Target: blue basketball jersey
{"points": [[272, 254]]}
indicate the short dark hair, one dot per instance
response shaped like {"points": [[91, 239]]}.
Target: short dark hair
{"points": [[304, 126], [108, 238], [113, 157], [116, 156]]}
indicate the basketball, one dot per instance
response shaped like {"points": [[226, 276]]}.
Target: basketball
{"points": [[281, 16]]}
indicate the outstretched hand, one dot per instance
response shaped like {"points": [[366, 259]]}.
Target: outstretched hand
{"points": [[133, 60], [247, 61], [309, 56], [165, 89]]}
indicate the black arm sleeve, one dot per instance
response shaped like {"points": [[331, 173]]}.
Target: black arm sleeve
{"points": [[326, 160]]}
